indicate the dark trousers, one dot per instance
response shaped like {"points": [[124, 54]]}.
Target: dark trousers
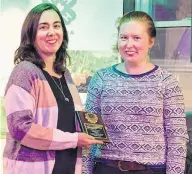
{"points": [[102, 168]]}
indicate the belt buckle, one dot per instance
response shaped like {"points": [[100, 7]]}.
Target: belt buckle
{"points": [[120, 167]]}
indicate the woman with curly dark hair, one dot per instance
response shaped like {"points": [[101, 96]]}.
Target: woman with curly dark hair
{"points": [[40, 101]]}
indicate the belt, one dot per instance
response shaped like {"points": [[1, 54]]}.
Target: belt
{"points": [[125, 165]]}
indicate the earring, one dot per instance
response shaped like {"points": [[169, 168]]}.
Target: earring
{"points": [[149, 51]]}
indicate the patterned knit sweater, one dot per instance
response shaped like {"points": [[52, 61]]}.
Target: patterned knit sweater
{"points": [[144, 116], [32, 115]]}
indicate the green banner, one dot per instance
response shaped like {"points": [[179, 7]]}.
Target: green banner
{"points": [[65, 7]]}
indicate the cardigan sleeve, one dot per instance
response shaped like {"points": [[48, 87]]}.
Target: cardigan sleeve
{"points": [[20, 102], [93, 105], [175, 127], [74, 92]]}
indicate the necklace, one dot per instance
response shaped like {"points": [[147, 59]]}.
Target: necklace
{"points": [[60, 88]]}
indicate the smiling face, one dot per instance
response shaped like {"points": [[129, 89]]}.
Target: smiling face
{"points": [[134, 41], [49, 35]]}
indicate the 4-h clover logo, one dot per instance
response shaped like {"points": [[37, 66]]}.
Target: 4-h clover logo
{"points": [[65, 7]]}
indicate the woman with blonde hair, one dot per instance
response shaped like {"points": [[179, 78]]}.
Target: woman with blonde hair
{"points": [[142, 107]]}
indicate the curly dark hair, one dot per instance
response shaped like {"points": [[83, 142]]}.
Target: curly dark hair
{"points": [[27, 50]]}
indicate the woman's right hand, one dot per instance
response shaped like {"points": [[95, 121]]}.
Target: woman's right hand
{"points": [[85, 140]]}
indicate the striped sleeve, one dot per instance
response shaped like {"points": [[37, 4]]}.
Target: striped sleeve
{"points": [[74, 92], [20, 107]]}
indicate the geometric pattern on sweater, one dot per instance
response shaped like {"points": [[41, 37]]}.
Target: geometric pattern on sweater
{"points": [[144, 116]]}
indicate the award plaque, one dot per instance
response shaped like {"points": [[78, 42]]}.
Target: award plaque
{"points": [[93, 125]]}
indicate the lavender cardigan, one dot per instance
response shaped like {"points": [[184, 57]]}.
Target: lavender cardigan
{"points": [[32, 114]]}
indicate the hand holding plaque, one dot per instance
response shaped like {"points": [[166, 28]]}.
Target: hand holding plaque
{"points": [[93, 125]]}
